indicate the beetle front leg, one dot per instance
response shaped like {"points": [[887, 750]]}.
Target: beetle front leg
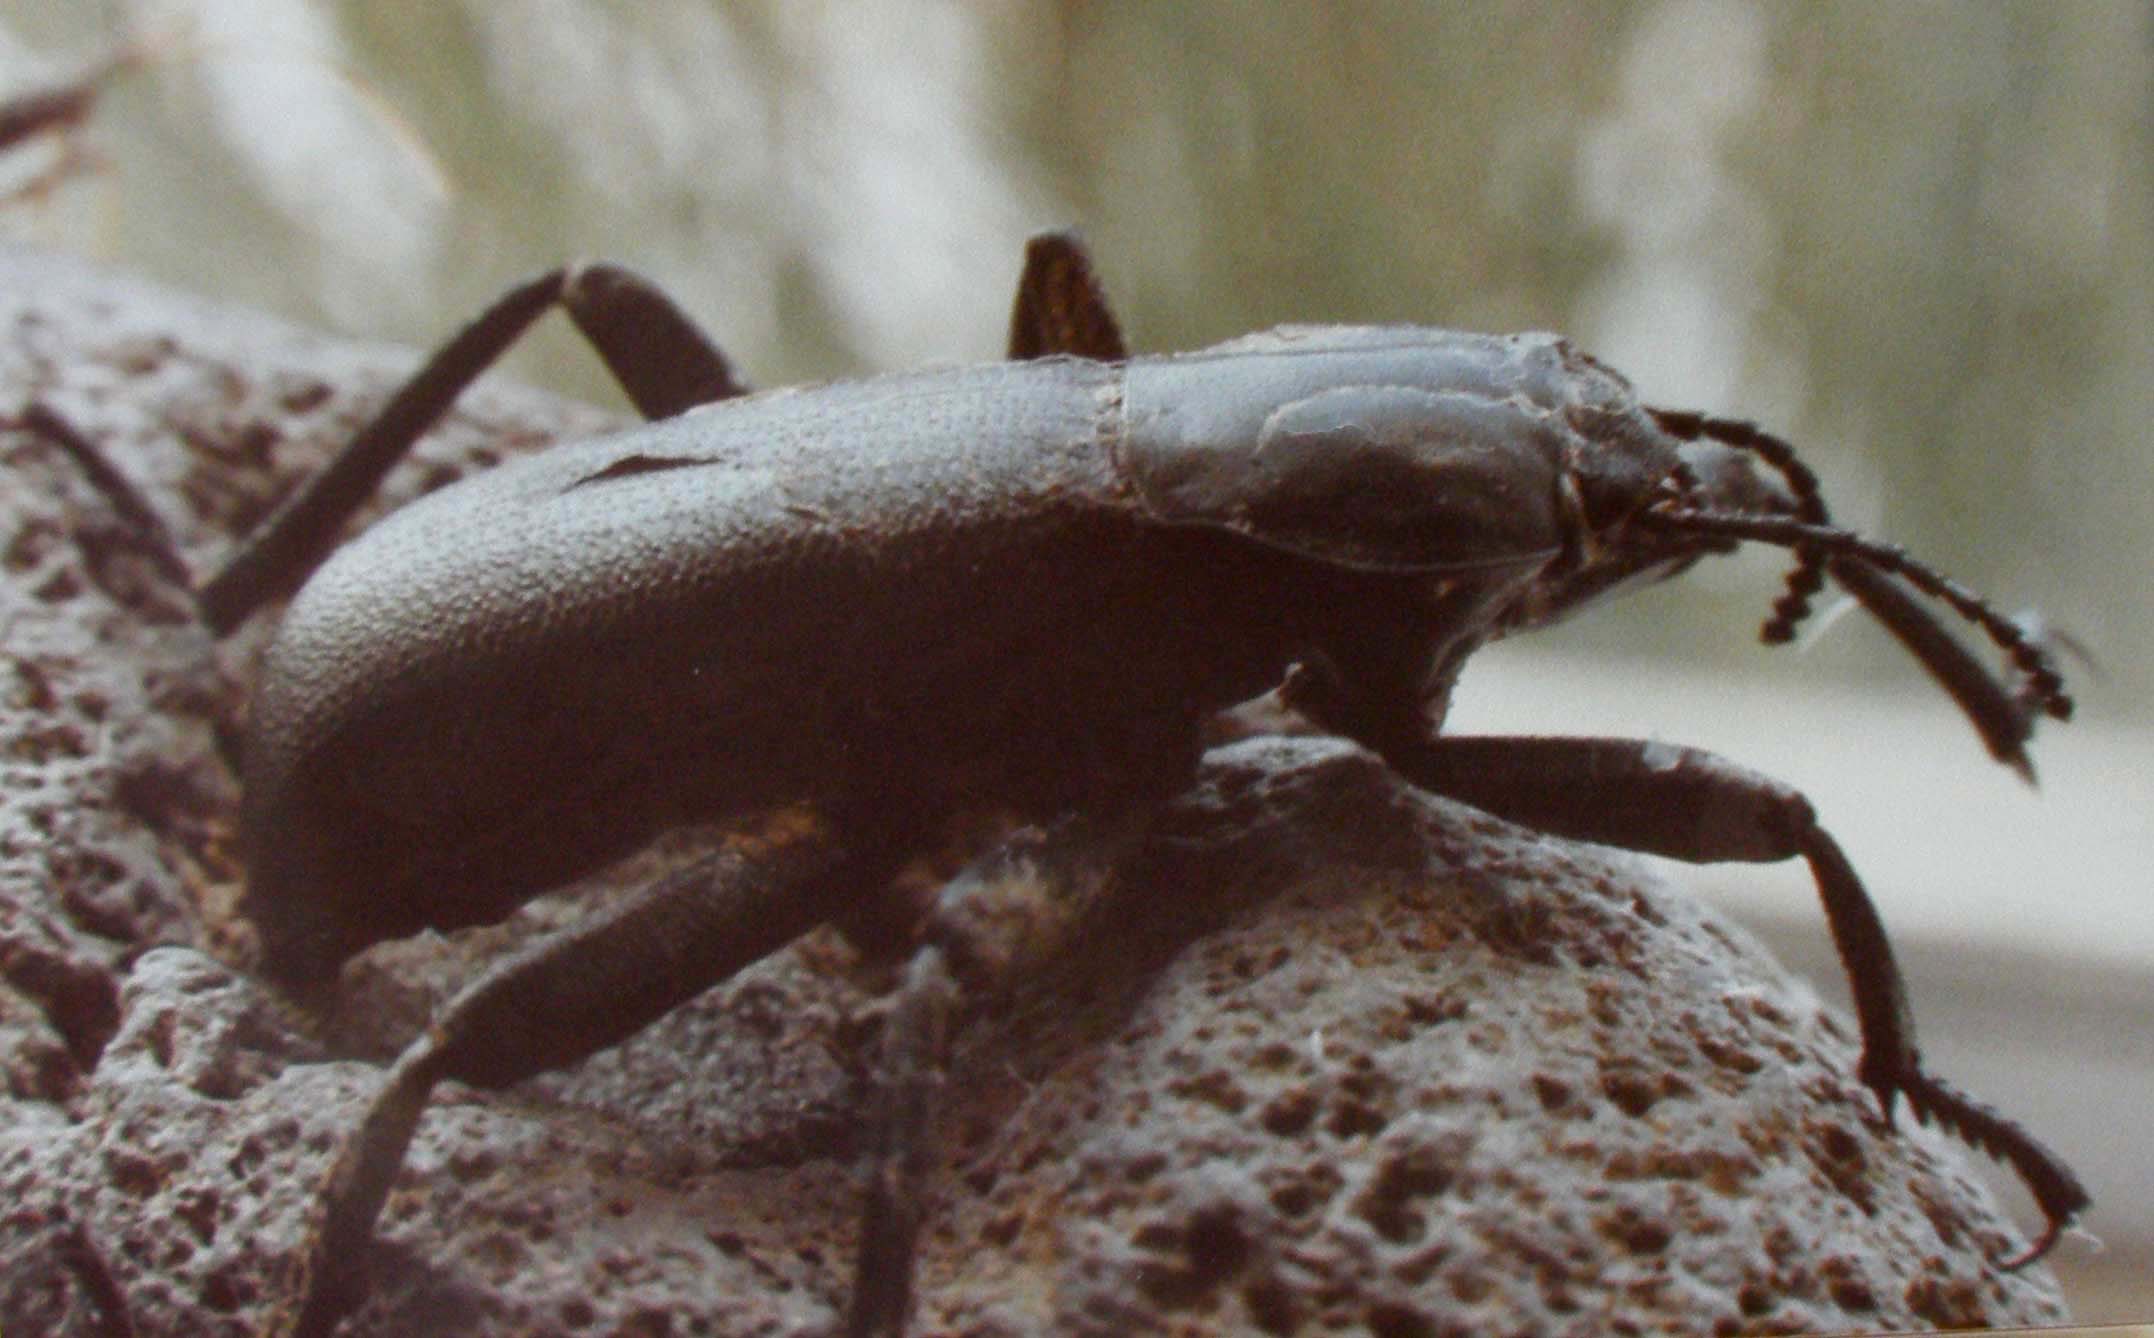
{"points": [[1692, 805], [573, 994], [657, 354]]}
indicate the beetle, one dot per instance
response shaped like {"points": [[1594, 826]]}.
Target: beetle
{"points": [[1030, 584]]}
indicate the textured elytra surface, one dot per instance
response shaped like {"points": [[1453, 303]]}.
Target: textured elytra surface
{"points": [[1345, 1059]]}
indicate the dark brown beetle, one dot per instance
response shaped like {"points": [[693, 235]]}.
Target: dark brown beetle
{"points": [[1031, 582]]}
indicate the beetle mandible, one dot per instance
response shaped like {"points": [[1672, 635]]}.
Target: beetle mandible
{"points": [[749, 608]]}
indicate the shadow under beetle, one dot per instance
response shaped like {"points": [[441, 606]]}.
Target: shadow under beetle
{"points": [[874, 607]]}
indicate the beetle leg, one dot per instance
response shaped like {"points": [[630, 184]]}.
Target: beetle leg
{"points": [[1692, 805], [1060, 306], [578, 992], [1003, 919], [653, 349], [901, 1174]]}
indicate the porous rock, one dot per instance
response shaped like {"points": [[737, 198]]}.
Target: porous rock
{"points": [[1438, 1075], [1345, 1057]]}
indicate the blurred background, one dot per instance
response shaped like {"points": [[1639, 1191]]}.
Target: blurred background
{"points": [[1915, 238]]}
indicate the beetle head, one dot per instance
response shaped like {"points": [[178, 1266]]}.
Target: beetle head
{"points": [[1606, 547]]}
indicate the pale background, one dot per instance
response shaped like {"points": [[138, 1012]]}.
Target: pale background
{"points": [[1916, 238]]}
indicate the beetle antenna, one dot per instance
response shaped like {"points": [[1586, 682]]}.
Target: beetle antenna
{"points": [[2044, 685], [1807, 577]]}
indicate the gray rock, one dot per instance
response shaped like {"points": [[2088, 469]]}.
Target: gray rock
{"points": [[1342, 1056]]}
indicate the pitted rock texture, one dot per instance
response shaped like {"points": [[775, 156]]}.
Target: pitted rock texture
{"points": [[1341, 1058], [1448, 1078]]}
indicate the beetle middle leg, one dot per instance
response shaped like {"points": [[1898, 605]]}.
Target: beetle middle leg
{"points": [[1060, 306], [580, 991]]}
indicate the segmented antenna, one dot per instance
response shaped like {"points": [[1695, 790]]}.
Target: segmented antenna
{"points": [[2044, 685], [1807, 576]]}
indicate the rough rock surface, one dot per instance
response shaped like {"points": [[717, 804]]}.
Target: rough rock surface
{"points": [[1346, 1057]]}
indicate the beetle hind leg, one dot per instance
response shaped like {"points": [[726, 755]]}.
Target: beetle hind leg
{"points": [[665, 363], [571, 995]]}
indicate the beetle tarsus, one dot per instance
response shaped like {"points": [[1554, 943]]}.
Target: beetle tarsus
{"points": [[577, 992], [146, 527], [2056, 1190]]}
